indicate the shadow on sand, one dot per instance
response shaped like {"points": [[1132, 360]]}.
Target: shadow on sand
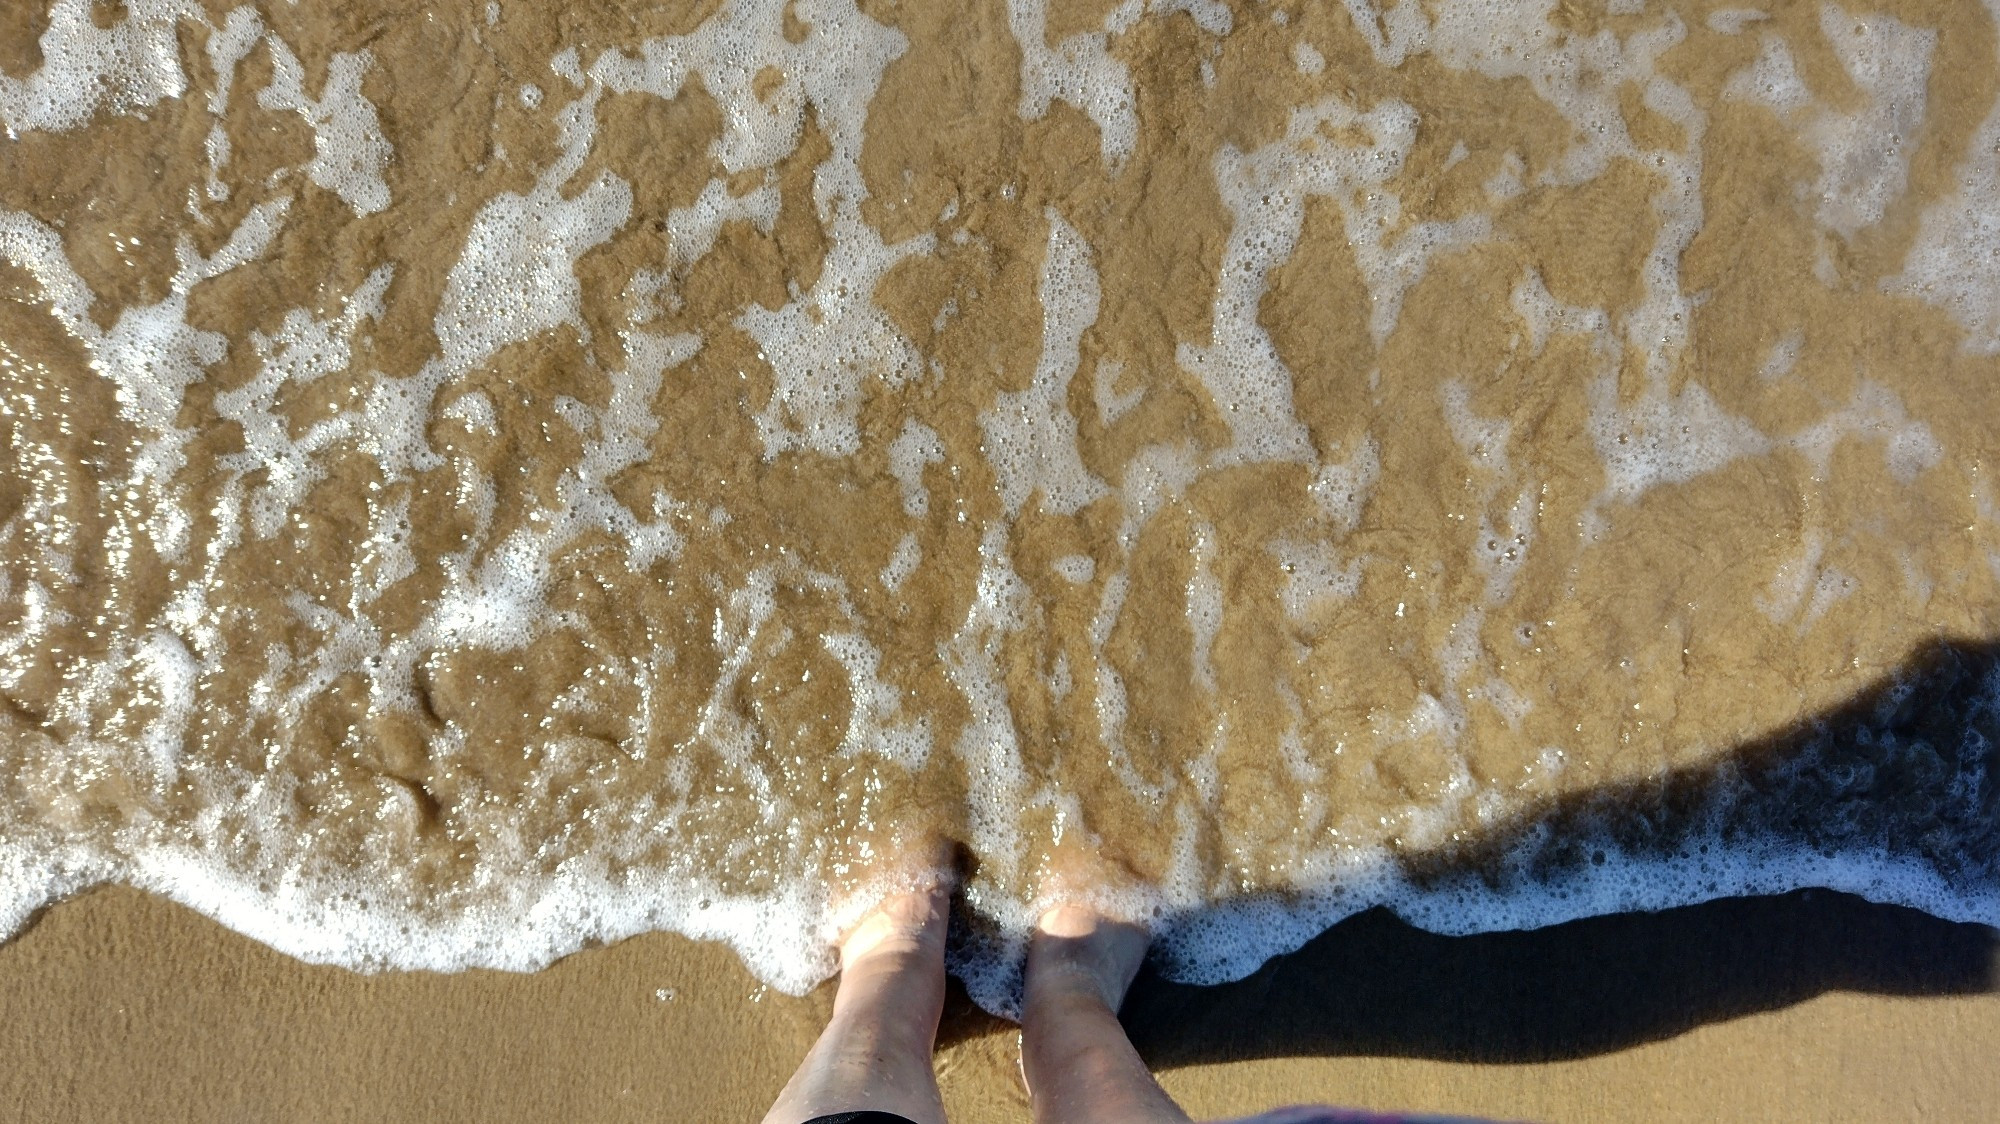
{"points": [[1907, 772], [1374, 985]]}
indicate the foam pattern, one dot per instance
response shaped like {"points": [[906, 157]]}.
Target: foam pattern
{"points": [[127, 66], [1950, 265], [596, 611]]}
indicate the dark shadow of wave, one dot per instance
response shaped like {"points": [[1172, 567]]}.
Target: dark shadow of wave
{"points": [[1376, 985], [1906, 774], [1895, 794]]}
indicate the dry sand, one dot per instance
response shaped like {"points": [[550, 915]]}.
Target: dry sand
{"points": [[125, 1007]]}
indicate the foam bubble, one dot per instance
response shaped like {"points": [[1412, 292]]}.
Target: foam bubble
{"points": [[1664, 437], [1079, 70], [1030, 434], [132, 64], [1950, 265], [1863, 155], [349, 150], [515, 277], [916, 446]]}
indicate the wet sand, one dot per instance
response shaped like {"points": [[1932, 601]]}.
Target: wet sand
{"points": [[123, 1006], [1136, 375], [572, 477]]}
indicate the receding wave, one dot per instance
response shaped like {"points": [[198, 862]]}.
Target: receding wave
{"points": [[484, 485]]}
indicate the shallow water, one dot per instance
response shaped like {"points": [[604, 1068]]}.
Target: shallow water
{"points": [[487, 482]]}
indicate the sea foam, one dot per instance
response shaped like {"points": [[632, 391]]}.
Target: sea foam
{"points": [[608, 614]]}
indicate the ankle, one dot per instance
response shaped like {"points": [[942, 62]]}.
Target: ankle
{"points": [[1066, 980]]}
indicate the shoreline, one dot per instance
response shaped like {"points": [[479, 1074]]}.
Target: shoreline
{"points": [[1810, 1006]]}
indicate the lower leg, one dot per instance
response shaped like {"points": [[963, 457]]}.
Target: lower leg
{"points": [[1080, 1067], [876, 1050]]}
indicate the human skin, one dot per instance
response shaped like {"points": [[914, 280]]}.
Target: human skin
{"points": [[1077, 1060], [876, 1050]]}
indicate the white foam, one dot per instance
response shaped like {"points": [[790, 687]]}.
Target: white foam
{"points": [[474, 410], [989, 745], [1772, 79], [228, 45], [1229, 940], [302, 351], [1309, 61], [1864, 155], [1580, 76], [565, 65], [349, 150], [903, 562], [132, 64], [515, 278], [1951, 263], [1031, 438], [1265, 191], [693, 229], [1156, 476], [1483, 440], [1077, 569], [1783, 356], [722, 726], [1394, 32], [1732, 21], [35, 247], [876, 723], [1908, 445], [1664, 437], [151, 355], [1865, 159], [916, 446], [1079, 70], [1312, 574], [823, 346], [1506, 183], [1654, 437], [1108, 698], [1112, 405], [1782, 599], [1203, 603]]}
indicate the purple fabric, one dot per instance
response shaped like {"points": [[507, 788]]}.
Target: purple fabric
{"points": [[1327, 1114]]}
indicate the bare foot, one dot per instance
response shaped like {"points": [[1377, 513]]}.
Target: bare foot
{"points": [[876, 1050], [905, 921], [1074, 945], [1075, 1058]]}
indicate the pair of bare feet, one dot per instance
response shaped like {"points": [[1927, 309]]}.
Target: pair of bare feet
{"points": [[876, 1050]]}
